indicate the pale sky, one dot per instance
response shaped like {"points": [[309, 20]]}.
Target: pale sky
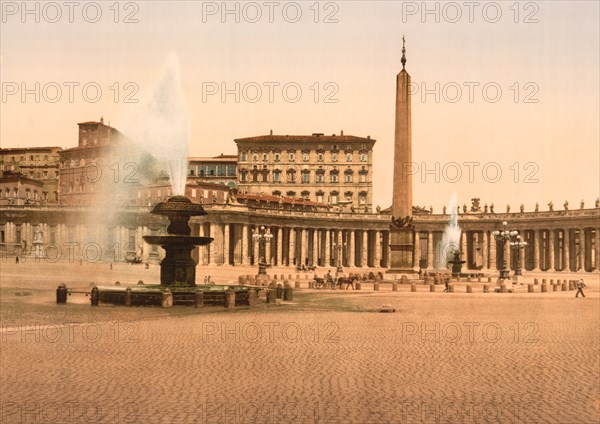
{"points": [[545, 122]]}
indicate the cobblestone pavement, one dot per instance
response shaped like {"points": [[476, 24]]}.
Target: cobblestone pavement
{"points": [[326, 357]]}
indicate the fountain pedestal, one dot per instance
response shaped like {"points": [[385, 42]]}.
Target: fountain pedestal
{"points": [[178, 267]]}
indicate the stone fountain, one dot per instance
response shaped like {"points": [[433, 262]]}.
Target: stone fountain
{"points": [[178, 268]]}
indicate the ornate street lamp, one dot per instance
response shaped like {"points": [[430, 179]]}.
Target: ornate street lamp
{"points": [[517, 245], [504, 236], [261, 236], [338, 258]]}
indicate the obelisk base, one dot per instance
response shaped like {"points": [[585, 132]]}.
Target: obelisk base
{"points": [[402, 248]]}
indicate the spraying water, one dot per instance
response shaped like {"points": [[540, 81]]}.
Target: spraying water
{"points": [[162, 125], [450, 238]]}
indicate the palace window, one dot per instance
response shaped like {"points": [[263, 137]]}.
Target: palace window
{"points": [[334, 178], [333, 197], [363, 157], [277, 157], [320, 195], [265, 157], [320, 157], [348, 157], [334, 157], [305, 157], [292, 157], [305, 177], [348, 178], [276, 177], [255, 157], [243, 156], [305, 195], [362, 198]]}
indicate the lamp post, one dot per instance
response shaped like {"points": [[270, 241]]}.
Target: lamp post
{"points": [[261, 235], [504, 236], [517, 245], [337, 248]]}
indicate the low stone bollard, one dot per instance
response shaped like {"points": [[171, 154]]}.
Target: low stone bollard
{"points": [[450, 288], [167, 299], [570, 284], [95, 296], [252, 298], [61, 294], [468, 279], [229, 299], [543, 281], [357, 284], [535, 281], [529, 288], [432, 288], [469, 288], [288, 293], [128, 296], [413, 287], [479, 279], [552, 281], [544, 287], [271, 296], [554, 287], [376, 286], [297, 276], [489, 279], [282, 277], [502, 288], [486, 288], [427, 279], [404, 279], [199, 299], [564, 286], [394, 286], [297, 284]]}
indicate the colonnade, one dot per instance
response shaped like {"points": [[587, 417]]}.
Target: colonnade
{"points": [[293, 246]]}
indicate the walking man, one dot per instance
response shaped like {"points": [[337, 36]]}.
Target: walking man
{"points": [[580, 286], [446, 284]]}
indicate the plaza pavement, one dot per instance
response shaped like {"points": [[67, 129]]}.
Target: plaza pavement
{"points": [[325, 357]]}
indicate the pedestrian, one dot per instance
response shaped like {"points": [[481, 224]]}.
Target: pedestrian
{"points": [[17, 258], [447, 285], [580, 286]]}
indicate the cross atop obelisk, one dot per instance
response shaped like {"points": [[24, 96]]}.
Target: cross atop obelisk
{"points": [[403, 60]]}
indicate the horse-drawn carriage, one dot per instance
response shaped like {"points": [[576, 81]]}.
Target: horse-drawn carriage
{"points": [[333, 283]]}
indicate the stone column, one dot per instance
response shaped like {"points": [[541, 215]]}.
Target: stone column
{"points": [[352, 242], [255, 245], [327, 247], [581, 250], [378, 242], [484, 249], [245, 245], [315, 247], [430, 257], [597, 249], [493, 253], [416, 247], [463, 247], [551, 249], [292, 249], [305, 246], [225, 245], [365, 247], [268, 249], [214, 233], [567, 250], [536, 250], [277, 237]]}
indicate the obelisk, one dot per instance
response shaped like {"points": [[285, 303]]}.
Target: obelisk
{"points": [[401, 229]]}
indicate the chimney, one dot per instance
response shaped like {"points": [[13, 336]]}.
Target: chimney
{"points": [[342, 132], [271, 132]]}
